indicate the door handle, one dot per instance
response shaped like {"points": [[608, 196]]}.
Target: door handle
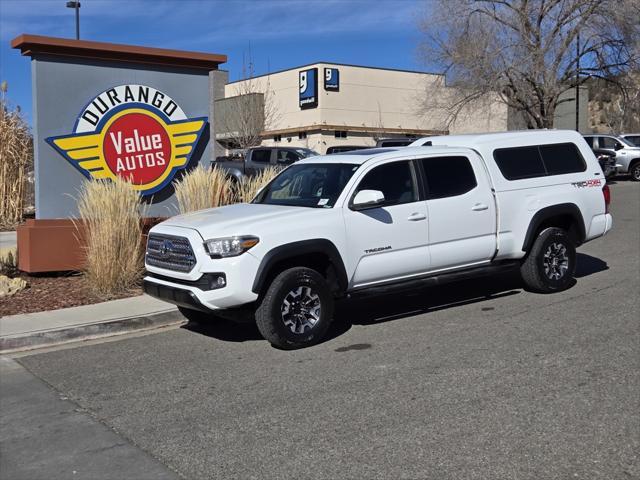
{"points": [[479, 207], [416, 216]]}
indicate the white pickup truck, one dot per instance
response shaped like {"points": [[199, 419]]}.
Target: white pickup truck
{"points": [[375, 220]]}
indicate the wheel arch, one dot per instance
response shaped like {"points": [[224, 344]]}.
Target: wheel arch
{"points": [[565, 215], [319, 254]]}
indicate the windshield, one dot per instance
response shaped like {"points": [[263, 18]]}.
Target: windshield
{"points": [[310, 185], [632, 140]]}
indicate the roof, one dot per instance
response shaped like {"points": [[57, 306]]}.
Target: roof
{"points": [[360, 157], [440, 74], [32, 45], [503, 139]]}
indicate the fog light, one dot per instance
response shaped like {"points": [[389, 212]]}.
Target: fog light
{"points": [[216, 280]]}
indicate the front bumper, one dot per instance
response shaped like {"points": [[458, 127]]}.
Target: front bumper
{"points": [[177, 296]]}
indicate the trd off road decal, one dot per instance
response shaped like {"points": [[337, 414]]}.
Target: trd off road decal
{"points": [[134, 132], [588, 183]]}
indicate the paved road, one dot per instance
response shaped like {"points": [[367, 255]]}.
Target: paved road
{"points": [[477, 380]]}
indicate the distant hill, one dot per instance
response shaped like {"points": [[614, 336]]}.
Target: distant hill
{"points": [[609, 110]]}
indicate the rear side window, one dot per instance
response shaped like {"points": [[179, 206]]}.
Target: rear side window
{"points": [[589, 141], [539, 161], [447, 176], [261, 156], [562, 158]]}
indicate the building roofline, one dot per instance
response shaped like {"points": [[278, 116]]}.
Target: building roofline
{"points": [[32, 45], [354, 128], [339, 65]]}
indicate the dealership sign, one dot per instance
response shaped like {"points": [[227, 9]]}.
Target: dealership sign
{"points": [[308, 84], [332, 79], [134, 132]]}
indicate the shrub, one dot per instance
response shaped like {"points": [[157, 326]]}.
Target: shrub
{"points": [[110, 224], [9, 262], [248, 188], [203, 188], [16, 158]]}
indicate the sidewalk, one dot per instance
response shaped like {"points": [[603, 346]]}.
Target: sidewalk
{"points": [[8, 241], [116, 317]]}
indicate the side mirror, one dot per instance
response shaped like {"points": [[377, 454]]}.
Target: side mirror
{"points": [[619, 146], [365, 199]]}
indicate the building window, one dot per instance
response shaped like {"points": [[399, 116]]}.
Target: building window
{"points": [[302, 135], [277, 138], [341, 134]]}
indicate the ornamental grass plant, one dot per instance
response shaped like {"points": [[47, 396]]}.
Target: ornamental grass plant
{"points": [[16, 159], [245, 190], [203, 188], [111, 230]]}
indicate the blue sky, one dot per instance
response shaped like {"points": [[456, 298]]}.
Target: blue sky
{"points": [[278, 34]]}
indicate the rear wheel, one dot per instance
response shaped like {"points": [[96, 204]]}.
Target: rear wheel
{"points": [[634, 170], [296, 310], [551, 262]]}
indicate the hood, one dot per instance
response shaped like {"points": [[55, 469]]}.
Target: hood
{"points": [[239, 219]]}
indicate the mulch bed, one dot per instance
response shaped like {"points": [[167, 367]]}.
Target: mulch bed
{"points": [[50, 292]]}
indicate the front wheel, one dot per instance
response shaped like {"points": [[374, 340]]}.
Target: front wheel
{"points": [[635, 172], [551, 262], [296, 310]]}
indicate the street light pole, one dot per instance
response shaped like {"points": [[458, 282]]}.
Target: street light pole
{"points": [[76, 5], [578, 82]]}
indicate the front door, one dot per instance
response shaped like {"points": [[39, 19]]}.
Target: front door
{"points": [[388, 242]]}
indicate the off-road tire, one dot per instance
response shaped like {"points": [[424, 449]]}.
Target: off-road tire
{"points": [[532, 270], [634, 171], [269, 314]]}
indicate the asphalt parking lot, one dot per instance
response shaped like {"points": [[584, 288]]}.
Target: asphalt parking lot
{"points": [[477, 379]]}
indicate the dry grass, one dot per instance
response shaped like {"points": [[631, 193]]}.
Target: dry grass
{"points": [[203, 188], [110, 218], [16, 157], [248, 188]]}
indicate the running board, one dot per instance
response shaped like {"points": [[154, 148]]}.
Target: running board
{"points": [[435, 279]]}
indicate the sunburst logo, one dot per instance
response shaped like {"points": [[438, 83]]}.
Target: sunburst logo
{"points": [[134, 132]]}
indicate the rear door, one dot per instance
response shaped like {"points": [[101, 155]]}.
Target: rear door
{"points": [[259, 158], [461, 211]]}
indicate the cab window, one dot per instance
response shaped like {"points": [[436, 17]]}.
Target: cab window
{"points": [[448, 176], [396, 180]]}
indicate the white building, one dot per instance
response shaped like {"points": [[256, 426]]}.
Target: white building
{"points": [[325, 104]]}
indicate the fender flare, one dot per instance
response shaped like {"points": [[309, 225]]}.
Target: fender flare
{"points": [[296, 249], [546, 213]]}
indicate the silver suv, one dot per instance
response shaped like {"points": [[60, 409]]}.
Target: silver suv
{"points": [[626, 154]]}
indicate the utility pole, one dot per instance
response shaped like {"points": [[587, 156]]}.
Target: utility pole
{"points": [[76, 5], [578, 82]]}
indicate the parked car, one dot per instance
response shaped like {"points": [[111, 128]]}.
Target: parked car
{"points": [[633, 138], [395, 142], [344, 148], [258, 158], [373, 221], [627, 155]]}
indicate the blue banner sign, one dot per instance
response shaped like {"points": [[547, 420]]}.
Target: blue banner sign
{"points": [[308, 84]]}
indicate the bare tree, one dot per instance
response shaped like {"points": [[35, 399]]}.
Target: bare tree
{"points": [[249, 110], [527, 52]]}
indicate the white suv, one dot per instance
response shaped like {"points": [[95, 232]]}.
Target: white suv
{"points": [[379, 219]]}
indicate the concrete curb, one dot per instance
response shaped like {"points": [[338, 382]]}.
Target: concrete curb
{"points": [[77, 333]]}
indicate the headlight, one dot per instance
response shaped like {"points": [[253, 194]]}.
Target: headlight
{"points": [[230, 246]]}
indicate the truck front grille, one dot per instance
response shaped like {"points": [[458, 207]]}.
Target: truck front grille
{"points": [[170, 252]]}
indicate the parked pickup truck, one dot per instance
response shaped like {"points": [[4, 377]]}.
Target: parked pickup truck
{"points": [[377, 220], [626, 154], [258, 158]]}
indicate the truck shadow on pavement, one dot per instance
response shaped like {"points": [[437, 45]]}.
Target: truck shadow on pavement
{"points": [[395, 306]]}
